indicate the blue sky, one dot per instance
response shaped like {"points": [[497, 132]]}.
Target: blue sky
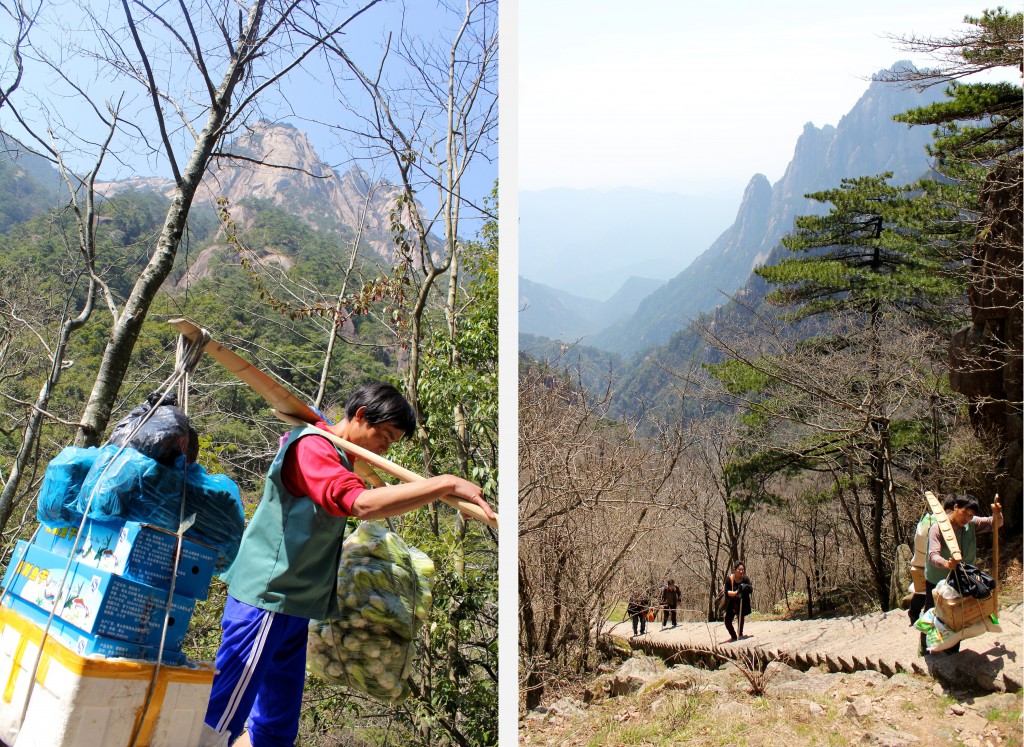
{"points": [[691, 96], [305, 98]]}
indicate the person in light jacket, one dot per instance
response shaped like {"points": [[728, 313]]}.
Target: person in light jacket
{"points": [[966, 528]]}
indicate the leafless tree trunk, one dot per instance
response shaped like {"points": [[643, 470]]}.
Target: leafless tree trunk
{"points": [[75, 313], [592, 496], [233, 55], [224, 108], [432, 145], [24, 18]]}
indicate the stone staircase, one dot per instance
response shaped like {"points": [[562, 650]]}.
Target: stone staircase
{"points": [[882, 641]]}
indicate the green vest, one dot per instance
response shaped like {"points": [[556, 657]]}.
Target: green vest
{"points": [[968, 551], [288, 559]]}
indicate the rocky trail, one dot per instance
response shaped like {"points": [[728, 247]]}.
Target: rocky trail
{"points": [[830, 682], [883, 642]]}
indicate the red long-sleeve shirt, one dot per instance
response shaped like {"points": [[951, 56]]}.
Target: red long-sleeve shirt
{"points": [[312, 468]]}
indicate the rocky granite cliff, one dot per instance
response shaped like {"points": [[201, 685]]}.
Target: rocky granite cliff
{"points": [[291, 174]]}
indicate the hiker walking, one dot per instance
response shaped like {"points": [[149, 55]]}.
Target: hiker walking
{"points": [[670, 601], [287, 566], [966, 528], [737, 599], [637, 610]]}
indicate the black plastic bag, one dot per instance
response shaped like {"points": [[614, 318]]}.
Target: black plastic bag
{"points": [[165, 436], [971, 581]]}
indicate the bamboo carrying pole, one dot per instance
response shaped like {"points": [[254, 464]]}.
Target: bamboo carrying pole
{"points": [[395, 470], [290, 409], [944, 526]]}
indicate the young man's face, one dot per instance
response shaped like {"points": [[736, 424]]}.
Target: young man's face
{"points": [[961, 517], [377, 437]]}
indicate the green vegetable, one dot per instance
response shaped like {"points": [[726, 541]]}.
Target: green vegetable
{"points": [[385, 592]]}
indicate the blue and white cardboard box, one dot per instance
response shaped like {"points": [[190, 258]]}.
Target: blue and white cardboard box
{"points": [[83, 643], [140, 552], [97, 602]]}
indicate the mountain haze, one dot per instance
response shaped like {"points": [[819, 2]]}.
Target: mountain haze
{"points": [[587, 241], [549, 312], [29, 184], [865, 142]]}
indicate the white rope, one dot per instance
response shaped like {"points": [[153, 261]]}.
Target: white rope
{"points": [[187, 358]]}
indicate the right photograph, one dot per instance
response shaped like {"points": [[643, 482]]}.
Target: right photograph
{"points": [[770, 374]]}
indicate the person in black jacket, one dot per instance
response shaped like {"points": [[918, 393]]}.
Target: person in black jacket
{"points": [[637, 610], [670, 601], [737, 599]]}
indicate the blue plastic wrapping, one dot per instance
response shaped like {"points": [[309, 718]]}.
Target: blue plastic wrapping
{"points": [[133, 487], [62, 482]]}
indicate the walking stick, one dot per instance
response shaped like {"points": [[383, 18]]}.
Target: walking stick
{"points": [[996, 520]]}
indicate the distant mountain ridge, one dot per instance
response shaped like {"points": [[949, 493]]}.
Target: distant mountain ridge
{"points": [[557, 314], [29, 184], [865, 142], [587, 241]]}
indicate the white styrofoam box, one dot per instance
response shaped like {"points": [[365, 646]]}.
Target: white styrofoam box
{"points": [[140, 552], [93, 702], [96, 601]]}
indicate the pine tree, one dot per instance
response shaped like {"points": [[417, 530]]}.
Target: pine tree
{"points": [[877, 248], [977, 146]]}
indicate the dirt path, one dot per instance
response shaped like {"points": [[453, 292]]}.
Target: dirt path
{"points": [[882, 641]]}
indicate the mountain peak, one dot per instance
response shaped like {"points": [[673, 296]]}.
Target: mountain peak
{"points": [[280, 144], [866, 141], [885, 75], [756, 181]]}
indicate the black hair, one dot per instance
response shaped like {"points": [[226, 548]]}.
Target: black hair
{"points": [[738, 564], [948, 502], [384, 404], [967, 501]]}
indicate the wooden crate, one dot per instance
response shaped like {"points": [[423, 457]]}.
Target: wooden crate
{"points": [[963, 612]]}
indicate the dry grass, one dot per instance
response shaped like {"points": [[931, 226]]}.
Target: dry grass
{"points": [[702, 716], [1011, 572]]}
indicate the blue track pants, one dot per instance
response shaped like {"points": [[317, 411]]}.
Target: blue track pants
{"points": [[261, 667]]}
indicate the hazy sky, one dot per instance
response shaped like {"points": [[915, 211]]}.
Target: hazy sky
{"points": [[688, 96]]}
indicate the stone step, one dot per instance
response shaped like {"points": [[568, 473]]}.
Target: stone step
{"points": [[881, 641]]}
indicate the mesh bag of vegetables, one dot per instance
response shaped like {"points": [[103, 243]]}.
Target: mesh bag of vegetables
{"points": [[384, 594]]}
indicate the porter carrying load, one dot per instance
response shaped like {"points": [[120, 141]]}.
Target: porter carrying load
{"points": [[961, 601]]}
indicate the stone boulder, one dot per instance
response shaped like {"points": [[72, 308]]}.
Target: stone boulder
{"points": [[634, 674], [628, 678]]}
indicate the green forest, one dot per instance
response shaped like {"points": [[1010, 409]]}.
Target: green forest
{"points": [[90, 275]]}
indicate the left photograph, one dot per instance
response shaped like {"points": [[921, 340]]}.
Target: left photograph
{"points": [[248, 374]]}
